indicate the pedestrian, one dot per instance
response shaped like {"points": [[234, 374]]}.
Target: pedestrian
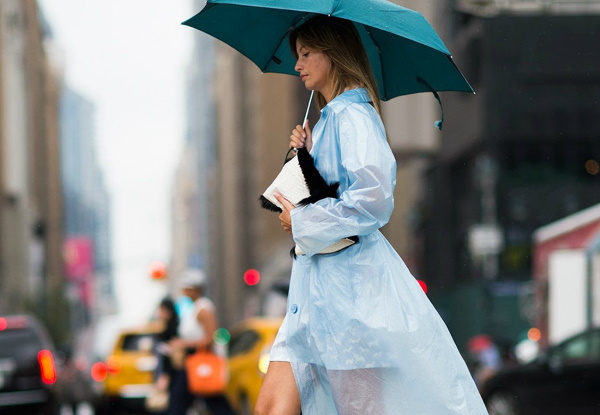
{"points": [[196, 331], [167, 316], [360, 336], [486, 358]]}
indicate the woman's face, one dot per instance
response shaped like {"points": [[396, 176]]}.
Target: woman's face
{"points": [[192, 293], [314, 68]]}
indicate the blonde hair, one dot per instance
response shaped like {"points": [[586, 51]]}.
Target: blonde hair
{"points": [[339, 40]]}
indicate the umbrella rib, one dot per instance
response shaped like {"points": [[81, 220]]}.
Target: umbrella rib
{"points": [[367, 28], [273, 57], [297, 22]]}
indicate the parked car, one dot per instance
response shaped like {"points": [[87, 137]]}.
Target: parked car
{"points": [[563, 380], [28, 372], [128, 373], [249, 351]]}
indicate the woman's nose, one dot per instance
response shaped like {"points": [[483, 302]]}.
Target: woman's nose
{"points": [[297, 67]]}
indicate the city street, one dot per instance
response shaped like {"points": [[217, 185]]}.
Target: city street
{"points": [[160, 240]]}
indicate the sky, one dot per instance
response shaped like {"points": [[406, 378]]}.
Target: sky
{"points": [[128, 57]]}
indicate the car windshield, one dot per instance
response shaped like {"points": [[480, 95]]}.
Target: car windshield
{"points": [[243, 342], [18, 343], [139, 342], [583, 348]]}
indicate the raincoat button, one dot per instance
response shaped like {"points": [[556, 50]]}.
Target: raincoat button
{"points": [[295, 308]]}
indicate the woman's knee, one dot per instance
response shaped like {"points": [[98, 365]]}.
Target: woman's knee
{"points": [[276, 407], [279, 393]]}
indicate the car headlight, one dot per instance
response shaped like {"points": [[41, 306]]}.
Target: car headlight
{"points": [[264, 359]]}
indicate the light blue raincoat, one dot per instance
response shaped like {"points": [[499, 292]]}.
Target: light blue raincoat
{"points": [[361, 335]]}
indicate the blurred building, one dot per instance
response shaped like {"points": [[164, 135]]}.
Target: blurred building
{"points": [[31, 265], [193, 194], [566, 269], [410, 125], [86, 213], [520, 154]]}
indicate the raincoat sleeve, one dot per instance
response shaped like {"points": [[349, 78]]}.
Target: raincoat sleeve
{"points": [[367, 172]]}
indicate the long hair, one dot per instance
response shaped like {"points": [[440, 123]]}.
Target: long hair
{"points": [[172, 324], [339, 40]]}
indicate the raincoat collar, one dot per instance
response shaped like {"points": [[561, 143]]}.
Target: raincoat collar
{"points": [[352, 96]]}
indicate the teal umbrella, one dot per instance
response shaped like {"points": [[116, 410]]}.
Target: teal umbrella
{"points": [[406, 54]]}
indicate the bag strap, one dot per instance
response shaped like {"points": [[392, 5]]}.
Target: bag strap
{"points": [[287, 155]]}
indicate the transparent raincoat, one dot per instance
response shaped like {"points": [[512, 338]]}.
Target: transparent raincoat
{"points": [[361, 335]]}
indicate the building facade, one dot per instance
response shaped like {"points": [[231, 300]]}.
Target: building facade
{"points": [[520, 154], [86, 211], [31, 266]]}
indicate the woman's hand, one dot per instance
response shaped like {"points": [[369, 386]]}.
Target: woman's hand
{"points": [[176, 343], [301, 137], [284, 216]]}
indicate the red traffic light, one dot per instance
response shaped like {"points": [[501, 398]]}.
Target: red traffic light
{"points": [[251, 277], [158, 270]]}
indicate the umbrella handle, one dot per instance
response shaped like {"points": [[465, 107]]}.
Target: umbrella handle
{"points": [[307, 110]]}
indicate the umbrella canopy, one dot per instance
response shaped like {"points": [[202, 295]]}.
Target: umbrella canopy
{"points": [[406, 54]]}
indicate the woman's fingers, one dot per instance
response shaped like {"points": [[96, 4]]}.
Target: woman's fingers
{"points": [[286, 203], [298, 137], [308, 133], [301, 137], [284, 216], [308, 130]]}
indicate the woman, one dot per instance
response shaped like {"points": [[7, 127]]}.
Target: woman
{"points": [[195, 332], [359, 336], [167, 315]]}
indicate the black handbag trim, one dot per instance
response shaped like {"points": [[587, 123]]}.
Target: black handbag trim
{"points": [[352, 238], [317, 187]]}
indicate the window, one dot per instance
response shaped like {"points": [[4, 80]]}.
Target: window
{"points": [[19, 343], [139, 342], [583, 348]]}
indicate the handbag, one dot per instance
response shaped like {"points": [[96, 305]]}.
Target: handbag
{"points": [[207, 373], [300, 182]]}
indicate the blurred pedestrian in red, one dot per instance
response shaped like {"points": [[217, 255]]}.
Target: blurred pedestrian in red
{"points": [[487, 358]]}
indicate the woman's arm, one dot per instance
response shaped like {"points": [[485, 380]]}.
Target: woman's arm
{"points": [[207, 318], [366, 202]]}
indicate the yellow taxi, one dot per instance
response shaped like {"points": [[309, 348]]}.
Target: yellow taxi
{"points": [[249, 349], [128, 373]]}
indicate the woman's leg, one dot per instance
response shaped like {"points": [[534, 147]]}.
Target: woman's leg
{"points": [[179, 397], [359, 391], [279, 393]]}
